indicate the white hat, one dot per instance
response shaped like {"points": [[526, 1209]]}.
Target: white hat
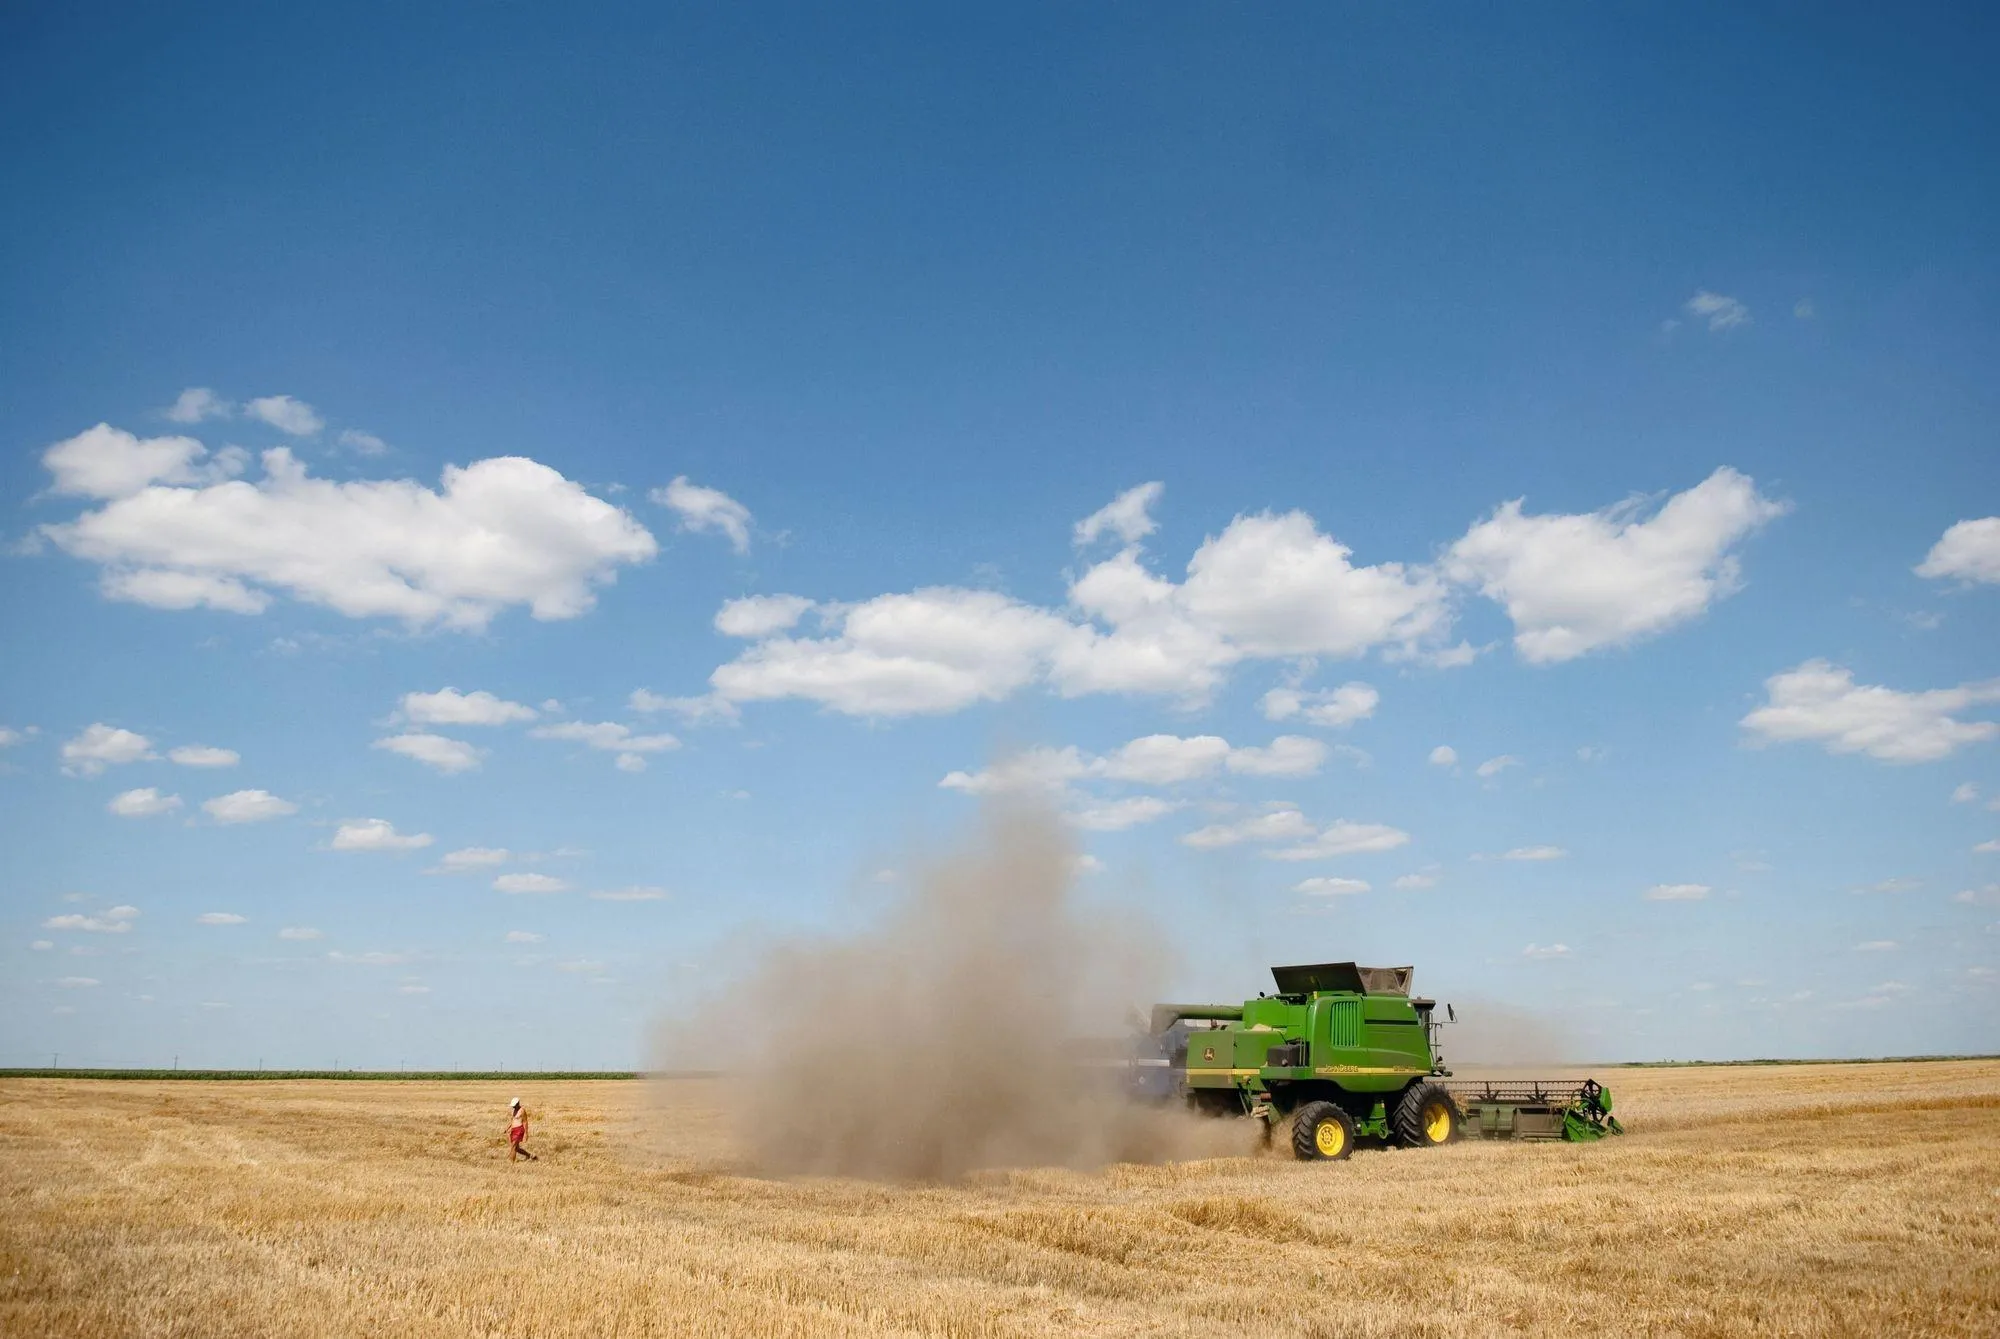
{"points": [[517, 1101]]}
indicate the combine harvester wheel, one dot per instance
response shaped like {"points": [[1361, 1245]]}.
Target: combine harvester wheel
{"points": [[1426, 1116], [1322, 1132]]}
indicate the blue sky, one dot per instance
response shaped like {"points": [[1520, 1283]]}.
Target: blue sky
{"points": [[1199, 419]]}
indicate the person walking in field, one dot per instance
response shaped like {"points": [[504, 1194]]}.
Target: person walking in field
{"points": [[517, 1134]]}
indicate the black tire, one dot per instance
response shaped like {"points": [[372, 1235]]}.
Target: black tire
{"points": [[1426, 1116], [1322, 1132]]}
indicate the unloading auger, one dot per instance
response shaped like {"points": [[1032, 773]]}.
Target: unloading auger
{"points": [[1344, 1052]]}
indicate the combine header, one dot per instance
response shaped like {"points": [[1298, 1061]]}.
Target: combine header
{"points": [[1345, 1052]]}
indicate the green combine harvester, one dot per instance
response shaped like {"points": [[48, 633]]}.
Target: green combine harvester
{"points": [[1345, 1053]]}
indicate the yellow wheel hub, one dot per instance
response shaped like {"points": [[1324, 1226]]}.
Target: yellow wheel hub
{"points": [[1330, 1138], [1437, 1123]]}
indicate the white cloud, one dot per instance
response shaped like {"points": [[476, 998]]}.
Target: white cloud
{"points": [[413, 990], [1545, 951], [295, 418], [1334, 708], [372, 958], [108, 463], [197, 403], [1677, 892], [1877, 946], [143, 803], [1279, 823], [1495, 766], [298, 932], [609, 737], [501, 532], [1820, 702], [469, 859], [434, 751], [201, 755], [706, 509], [247, 806], [116, 921], [1969, 551], [42, 945], [1804, 309], [1988, 848], [706, 709], [1530, 853], [1901, 885], [9, 736], [1151, 760], [1412, 882], [629, 762], [1575, 583], [529, 883], [1268, 586], [101, 746], [1444, 755], [1971, 897], [755, 616], [220, 918], [362, 443], [1721, 313], [1287, 755], [77, 982], [524, 937], [1127, 516], [1344, 838], [1965, 793], [375, 834], [448, 706], [1117, 815], [636, 893], [1330, 887]]}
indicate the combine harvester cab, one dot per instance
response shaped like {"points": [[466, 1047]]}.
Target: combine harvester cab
{"points": [[1344, 1052]]}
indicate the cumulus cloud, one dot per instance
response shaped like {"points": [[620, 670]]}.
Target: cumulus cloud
{"points": [[1677, 892], [1494, 766], [1128, 516], [108, 463], [529, 883], [77, 982], [1721, 313], [500, 532], [1575, 583], [470, 859], [636, 893], [372, 958], [1545, 951], [1334, 708], [362, 443], [1528, 853], [375, 834], [1341, 838], [1819, 702], [1330, 887], [610, 737], [524, 937], [143, 803], [1969, 551], [197, 403], [438, 752], [100, 746], [755, 616], [448, 706], [298, 932], [220, 918], [1412, 882], [1279, 822], [294, 418], [115, 921], [706, 709], [705, 510], [9, 736], [1877, 946], [1151, 760], [1964, 793], [247, 806], [1444, 755], [201, 755], [1117, 815]]}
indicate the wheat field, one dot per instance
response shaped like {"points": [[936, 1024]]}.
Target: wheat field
{"points": [[1800, 1200]]}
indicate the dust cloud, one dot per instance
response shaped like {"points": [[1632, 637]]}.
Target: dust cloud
{"points": [[1493, 1036], [948, 1036]]}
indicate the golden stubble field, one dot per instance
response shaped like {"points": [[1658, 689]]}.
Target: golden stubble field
{"points": [[1849, 1199]]}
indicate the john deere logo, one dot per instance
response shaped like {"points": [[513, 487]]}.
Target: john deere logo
{"points": [[1208, 1053]]}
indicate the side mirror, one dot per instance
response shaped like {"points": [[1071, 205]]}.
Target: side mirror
{"points": [[1449, 1015]]}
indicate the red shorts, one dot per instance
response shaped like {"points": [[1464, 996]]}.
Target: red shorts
{"points": [[516, 1133]]}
